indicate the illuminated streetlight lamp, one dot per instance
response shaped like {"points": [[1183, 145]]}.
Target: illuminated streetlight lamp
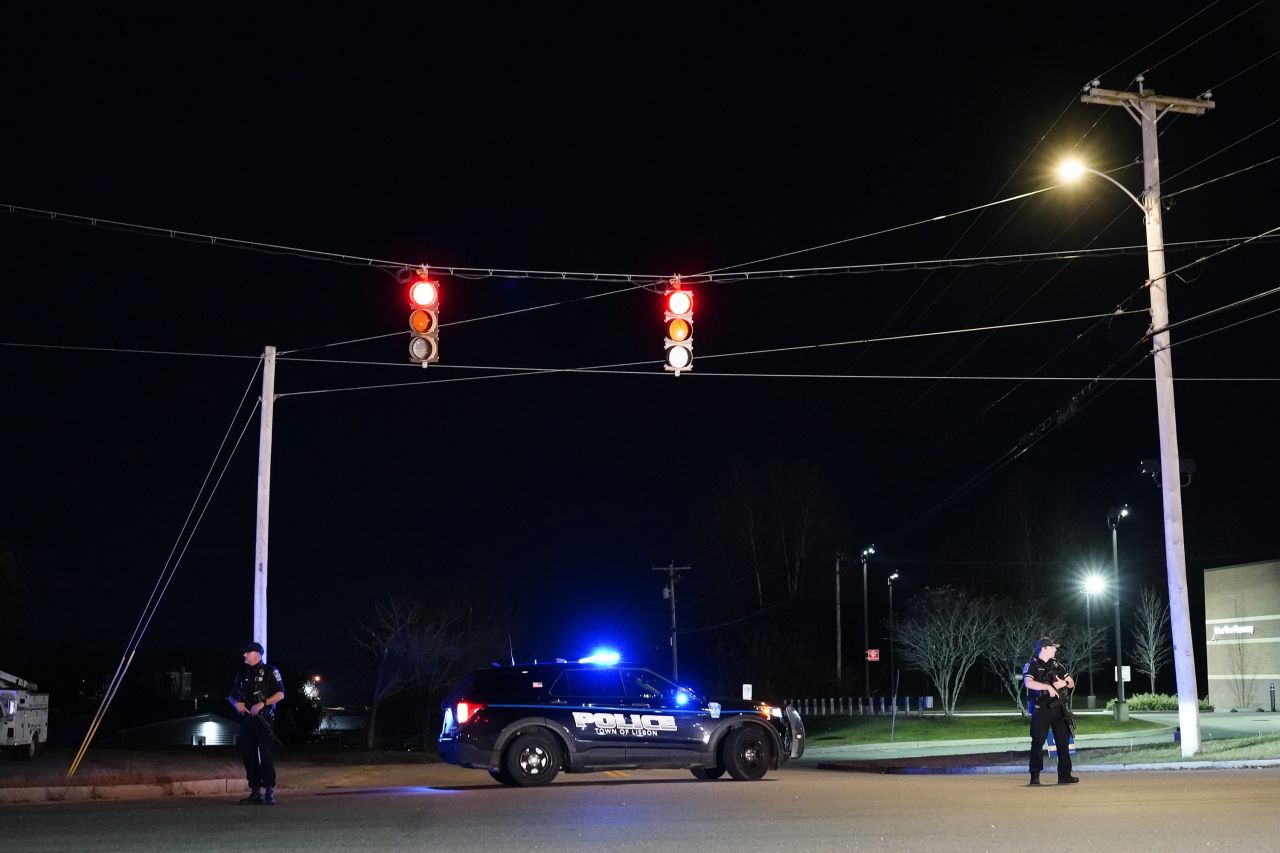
{"points": [[1093, 584], [1070, 171]]}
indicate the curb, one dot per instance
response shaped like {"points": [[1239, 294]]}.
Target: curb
{"points": [[1009, 769], [82, 793]]}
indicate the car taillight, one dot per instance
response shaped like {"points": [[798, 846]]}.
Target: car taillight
{"points": [[467, 710]]}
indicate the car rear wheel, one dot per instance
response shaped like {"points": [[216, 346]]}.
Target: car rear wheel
{"points": [[532, 759], [707, 773], [747, 753], [33, 748]]}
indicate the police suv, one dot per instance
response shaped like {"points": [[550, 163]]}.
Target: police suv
{"points": [[526, 722]]}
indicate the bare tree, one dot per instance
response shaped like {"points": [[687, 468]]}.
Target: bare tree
{"points": [[775, 532], [1010, 644], [805, 521], [1080, 647], [739, 525], [1240, 664], [1152, 639], [943, 634], [390, 638]]}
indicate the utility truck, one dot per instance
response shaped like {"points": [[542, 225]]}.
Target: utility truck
{"points": [[24, 715]]}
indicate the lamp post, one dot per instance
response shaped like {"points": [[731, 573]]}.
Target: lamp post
{"points": [[1093, 584], [1113, 521], [893, 687], [866, 635]]}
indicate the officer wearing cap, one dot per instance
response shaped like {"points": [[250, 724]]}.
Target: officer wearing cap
{"points": [[1044, 678], [255, 691]]}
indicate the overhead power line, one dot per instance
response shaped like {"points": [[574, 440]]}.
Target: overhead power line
{"points": [[332, 257], [1202, 36], [1157, 40], [870, 234], [124, 350], [1211, 181], [1223, 328]]}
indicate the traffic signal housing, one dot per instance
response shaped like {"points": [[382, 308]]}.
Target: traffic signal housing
{"points": [[677, 313], [424, 320]]}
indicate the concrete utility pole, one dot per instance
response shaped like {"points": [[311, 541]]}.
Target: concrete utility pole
{"points": [[1146, 108], [839, 657], [669, 591], [264, 499]]}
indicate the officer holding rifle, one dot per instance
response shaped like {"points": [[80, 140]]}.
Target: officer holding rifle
{"points": [[256, 690], [1047, 685]]}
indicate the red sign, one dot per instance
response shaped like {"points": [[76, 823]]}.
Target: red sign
{"points": [[873, 654]]}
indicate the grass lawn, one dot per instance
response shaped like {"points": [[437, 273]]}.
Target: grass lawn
{"points": [[1231, 749], [842, 731]]}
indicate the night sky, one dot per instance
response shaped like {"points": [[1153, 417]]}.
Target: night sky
{"points": [[600, 144]]}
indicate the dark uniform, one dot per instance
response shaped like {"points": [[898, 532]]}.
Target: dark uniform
{"points": [[1048, 712], [253, 684]]}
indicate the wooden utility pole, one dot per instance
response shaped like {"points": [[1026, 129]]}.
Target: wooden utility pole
{"points": [[670, 592], [1146, 108], [264, 499]]}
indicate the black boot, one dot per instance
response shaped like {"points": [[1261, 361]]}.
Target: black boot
{"points": [[1068, 779], [269, 799], [1035, 779], [254, 798]]}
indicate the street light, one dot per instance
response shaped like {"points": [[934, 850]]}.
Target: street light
{"points": [[893, 687], [1093, 584], [1113, 521], [1071, 171], [866, 635]]}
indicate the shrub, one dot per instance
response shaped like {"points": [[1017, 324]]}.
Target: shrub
{"points": [[1155, 702]]}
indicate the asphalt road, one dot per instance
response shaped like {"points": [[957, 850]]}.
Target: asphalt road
{"points": [[799, 809]]}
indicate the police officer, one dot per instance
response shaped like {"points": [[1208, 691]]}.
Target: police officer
{"points": [[254, 693], [1044, 678]]}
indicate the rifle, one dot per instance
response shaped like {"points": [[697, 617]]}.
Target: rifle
{"points": [[1060, 671], [267, 724]]}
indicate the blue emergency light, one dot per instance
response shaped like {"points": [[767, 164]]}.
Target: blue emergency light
{"points": [[604, 657]]}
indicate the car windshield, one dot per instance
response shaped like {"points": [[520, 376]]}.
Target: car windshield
{"points": [[644, 684]]}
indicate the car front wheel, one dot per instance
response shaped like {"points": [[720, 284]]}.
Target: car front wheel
{"points": [[532, 759], [747, 753]]}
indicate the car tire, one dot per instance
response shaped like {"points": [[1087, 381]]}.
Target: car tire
{"points": [[33, 748], [747, 753], [707, 773], [532, 759], [499, 774]]}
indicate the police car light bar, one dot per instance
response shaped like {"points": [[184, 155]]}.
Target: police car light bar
{"points": [[606, 657]]}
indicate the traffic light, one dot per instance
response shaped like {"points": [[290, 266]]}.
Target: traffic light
{"points": [[424, 320], [677, 312]]}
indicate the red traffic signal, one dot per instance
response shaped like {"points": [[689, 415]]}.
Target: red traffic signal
{"points": [[677, 313], [424, 320]]}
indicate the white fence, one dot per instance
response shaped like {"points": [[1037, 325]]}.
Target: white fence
{"points": [[857, 706]]}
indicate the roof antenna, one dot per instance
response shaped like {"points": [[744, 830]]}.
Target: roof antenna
{"points": [[511, 649]]}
